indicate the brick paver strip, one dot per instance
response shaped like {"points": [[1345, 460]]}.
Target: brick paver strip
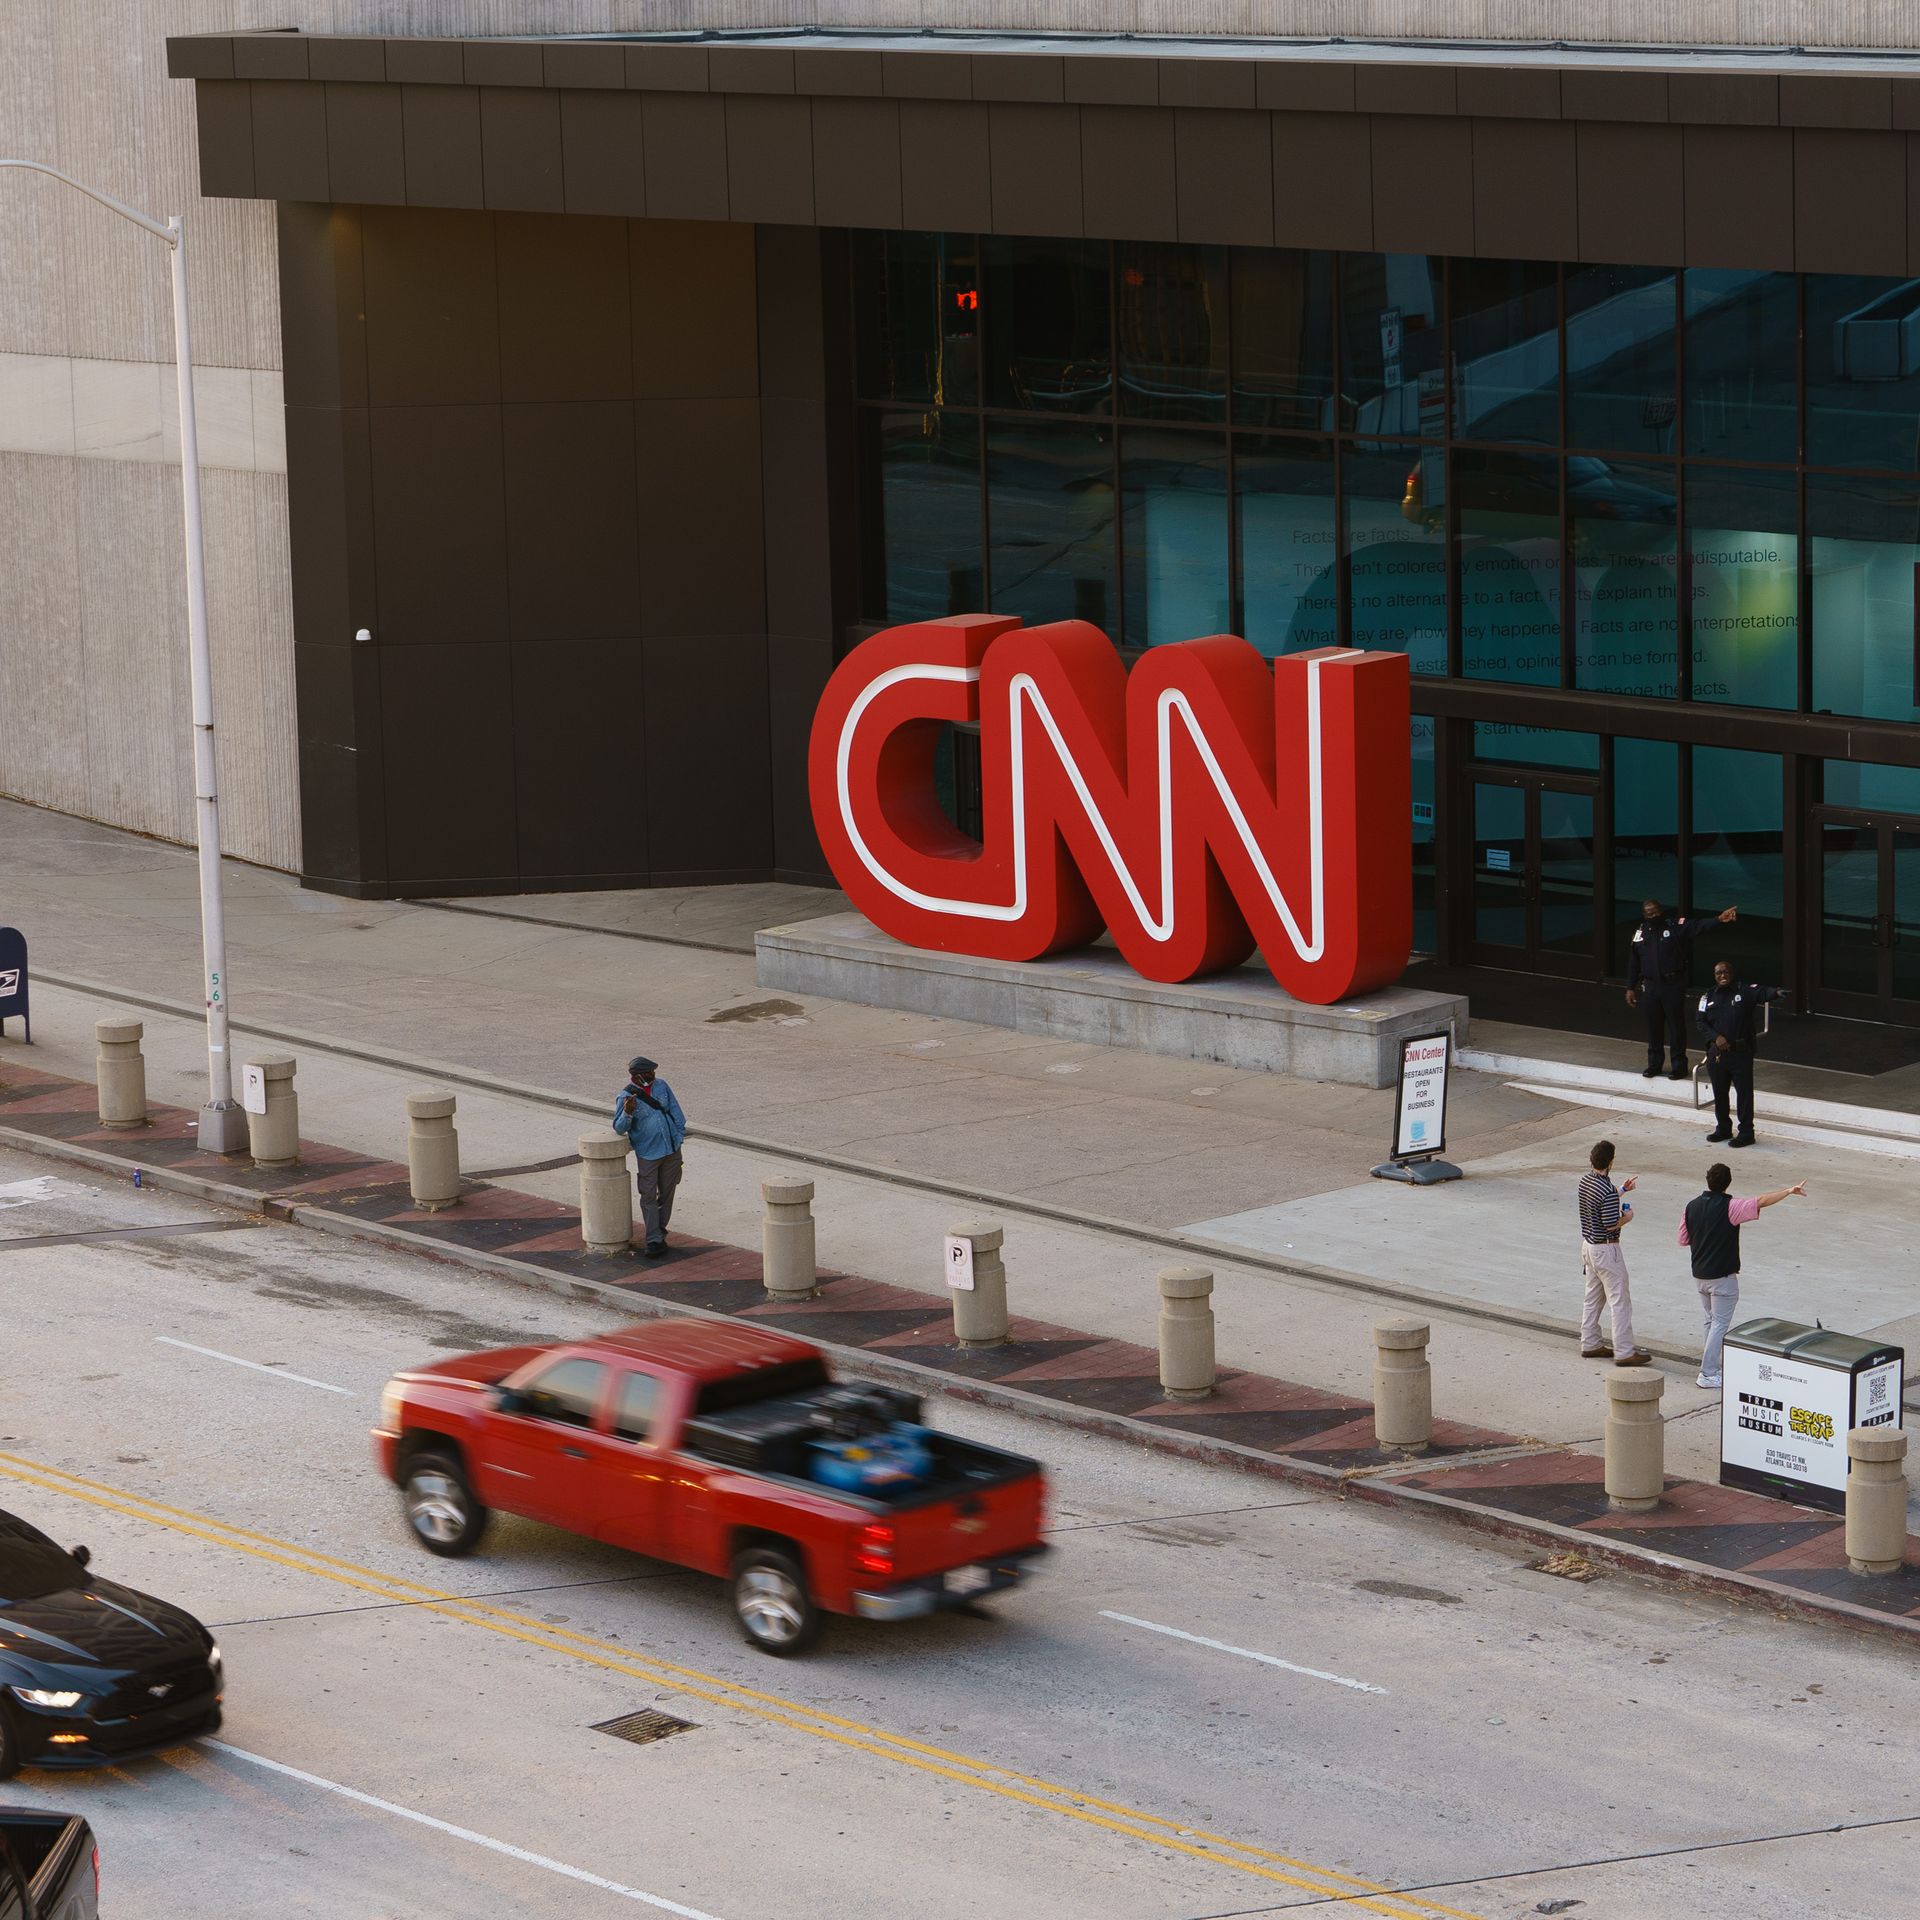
{"points": [[1700, 1529]]}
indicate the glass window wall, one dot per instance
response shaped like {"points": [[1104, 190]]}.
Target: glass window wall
{"points": [[1621, 358], [1392, 344], [1289, 565], [1743, 553], [1049, 345], [1050, 511], [1738, 858], [1509, 547], [1865, 535], [1170, 316], [924, 518], [1506, 350], [1174, 536], [1742, 386], [1282, 337], [1646, 834], [1396, 521], [1622, 534], [1863, 372]]}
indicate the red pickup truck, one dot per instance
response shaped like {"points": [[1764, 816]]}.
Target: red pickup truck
{"points": [[716, 1446]]}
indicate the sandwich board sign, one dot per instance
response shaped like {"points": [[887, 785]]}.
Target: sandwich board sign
{"points": [[1420, 1112], [13, 980]]}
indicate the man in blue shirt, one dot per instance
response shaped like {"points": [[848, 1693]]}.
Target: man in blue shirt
{"points": [[646, 1112]]}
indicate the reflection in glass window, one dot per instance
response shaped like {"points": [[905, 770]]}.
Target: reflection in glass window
{"points": [[1397, 543], [1048, 346], [1173, 537], [568, 1391], [1425, 877], [1865, 561], [1646, 834], [1050, 516], [1620, 358], [1508, 511], [1742, 329], [916, 315], [1744, 551], [1282, 337], [1392, 375], [1506, 350], [1737, 858], [1626, 596], [924, 478], [1170, 310], [1863, 372], [1534, 746], [1289, 571], [1866, 783]]}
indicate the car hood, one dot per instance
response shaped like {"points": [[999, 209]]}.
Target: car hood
{"points": [[98, 1625]]}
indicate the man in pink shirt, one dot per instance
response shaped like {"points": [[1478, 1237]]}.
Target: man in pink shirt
{"points": [[1710, 1230]]}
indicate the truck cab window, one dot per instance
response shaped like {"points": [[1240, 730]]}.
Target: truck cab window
{"points": [[633, 1415], [568, 1391]]}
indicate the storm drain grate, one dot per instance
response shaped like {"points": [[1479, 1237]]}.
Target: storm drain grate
{"points": [[644, 1727]]}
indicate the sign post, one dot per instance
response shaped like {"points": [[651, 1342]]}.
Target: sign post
{"points": [[1420, 1113], [13, 980], [959, 1263]]}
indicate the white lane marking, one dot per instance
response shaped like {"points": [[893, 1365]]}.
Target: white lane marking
{"points": [[23, 1193], [1220, 1646], [233, 1359], [464, 1833]]}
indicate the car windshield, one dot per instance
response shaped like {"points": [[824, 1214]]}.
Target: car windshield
{"points": [[31, 1566]]}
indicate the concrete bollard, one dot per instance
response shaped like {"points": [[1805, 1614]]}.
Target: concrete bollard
{"points": [[980, 1313], [1402, 1385], [121, 1071], [1187, 1370], [786, 1238], [1876, 1499], [606, 1201], [1636, 1441], [273, 1137], [433, 1151]]}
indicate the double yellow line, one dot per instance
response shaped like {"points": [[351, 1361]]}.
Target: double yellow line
{"points": [[1047, 1796]]}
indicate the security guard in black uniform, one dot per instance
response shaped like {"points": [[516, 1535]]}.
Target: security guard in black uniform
{"points": [[1657, 980], [1729, 1017]]}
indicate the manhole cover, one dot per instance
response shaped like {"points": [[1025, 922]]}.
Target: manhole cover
{"points": [[644, 1727]]}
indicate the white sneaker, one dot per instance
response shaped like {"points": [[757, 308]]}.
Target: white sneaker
{"points": [[1716, 1380]]}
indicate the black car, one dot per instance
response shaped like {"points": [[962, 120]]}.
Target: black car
{"points": [[91, 1671]]}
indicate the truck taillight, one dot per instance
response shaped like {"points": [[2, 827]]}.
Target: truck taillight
{"points": [[873, 1549]]}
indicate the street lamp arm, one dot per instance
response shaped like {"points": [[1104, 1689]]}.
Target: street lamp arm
{"points": [[159, 229]]}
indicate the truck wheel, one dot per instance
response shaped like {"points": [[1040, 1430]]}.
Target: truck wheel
{"points": [[9, 1748], [441, 1510], [771, 1601]]}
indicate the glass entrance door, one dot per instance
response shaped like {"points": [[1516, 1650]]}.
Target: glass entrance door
{"points": [[1534, 900], [1869, 943]]}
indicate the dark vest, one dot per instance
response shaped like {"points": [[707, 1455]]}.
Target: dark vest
{"points": [[1712, 1238]]}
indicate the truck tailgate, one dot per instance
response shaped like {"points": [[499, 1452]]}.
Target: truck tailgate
{"points": [[975, 1525]]}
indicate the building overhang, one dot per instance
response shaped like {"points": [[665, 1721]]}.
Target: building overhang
{"points": [[1781, 159]]}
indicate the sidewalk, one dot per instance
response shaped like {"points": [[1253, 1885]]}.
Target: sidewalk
{"points": [[1705, 1535]]}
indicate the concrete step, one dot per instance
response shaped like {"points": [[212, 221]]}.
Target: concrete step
{"points": [[1889, 1131]]}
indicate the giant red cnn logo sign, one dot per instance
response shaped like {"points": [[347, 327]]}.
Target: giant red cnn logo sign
{"points": [[1203, 805]]}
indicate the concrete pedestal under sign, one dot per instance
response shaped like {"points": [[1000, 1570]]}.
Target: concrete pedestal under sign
{"points": [[1238, 1019]]}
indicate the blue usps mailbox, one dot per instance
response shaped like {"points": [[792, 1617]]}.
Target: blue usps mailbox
{"points": [[13, 980]]}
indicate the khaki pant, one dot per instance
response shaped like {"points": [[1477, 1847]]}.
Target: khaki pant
{"points": [[1605, 1270], [656, 1181]]}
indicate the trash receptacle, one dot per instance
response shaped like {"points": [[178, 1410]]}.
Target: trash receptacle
{"points": [[1793, 1393]]}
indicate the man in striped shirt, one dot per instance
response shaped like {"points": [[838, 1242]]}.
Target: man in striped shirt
{"points": [[1603, 1265]]}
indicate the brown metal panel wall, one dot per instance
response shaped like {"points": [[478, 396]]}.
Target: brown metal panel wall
{"points": [[1323, 180], [1723, 99], [1632, 210], [1019, 76], [856, 163], [432, 326], [701, 552], [1525, 190], [1508, 93], [565, 303], [926, 76], [946, 179], [700, 827], [1588, 93], [1913, 203], [571, 64], [502, 63], [1739, 196], [1404, 90], [1307, 86], [1129, 173], [366, 149], [1849, 202], [769, 158], [686, 155], [442, 131], [223, 114], [667, 69], [838, 71], [439, 525], [269, 56], [603, 153], [426, 63], [1208, 83], [1422, 184], [447, 709], [1035, 156], [693, 310], [1225, 168], [579, 709], [520, 149], [1854, 100], [571, 506], [1112, 80], [290, 141]]}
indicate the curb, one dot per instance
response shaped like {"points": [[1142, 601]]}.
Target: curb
{"points": [[1375, 1488], [1220, 1252]]}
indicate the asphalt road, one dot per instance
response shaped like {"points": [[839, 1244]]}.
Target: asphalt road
{"points": [[1224, 1697]]}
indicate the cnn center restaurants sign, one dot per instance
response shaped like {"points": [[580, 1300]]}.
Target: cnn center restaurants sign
{"points": [[1203, 805]]}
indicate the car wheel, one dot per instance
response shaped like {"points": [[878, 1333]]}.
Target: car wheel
{"points": [[441, 1508], [9, 1748], [771, 1602]]}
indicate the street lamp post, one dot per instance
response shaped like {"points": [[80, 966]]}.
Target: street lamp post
{"points": [[223, 1127]]}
